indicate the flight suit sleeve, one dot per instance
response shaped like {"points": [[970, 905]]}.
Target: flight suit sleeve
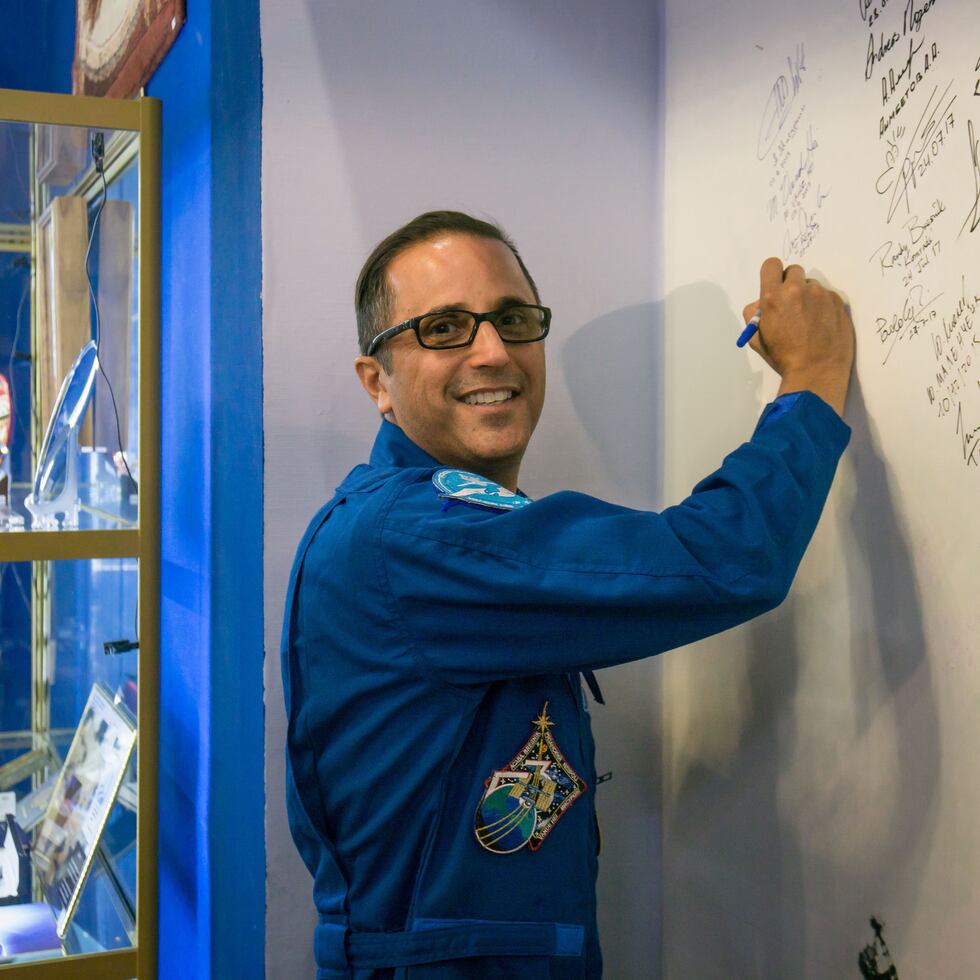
{"points": [[570, 582]]}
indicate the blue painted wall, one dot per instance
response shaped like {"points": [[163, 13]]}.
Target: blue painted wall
{"points": [[183, 83], [237, 827], [37, 45], [212, 849]]}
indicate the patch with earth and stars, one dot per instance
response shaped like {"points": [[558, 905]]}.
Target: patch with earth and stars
{"points": [[470, 488], [522, 803]]}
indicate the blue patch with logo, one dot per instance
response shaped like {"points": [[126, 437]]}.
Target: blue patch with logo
{"points": [[470, 488]]}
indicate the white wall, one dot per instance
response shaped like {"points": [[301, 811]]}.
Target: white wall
{"points": [[819, 763], [374, 112]]}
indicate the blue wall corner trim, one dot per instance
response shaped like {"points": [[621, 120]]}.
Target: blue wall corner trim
{"points": [[237, 825], [212, 913]]}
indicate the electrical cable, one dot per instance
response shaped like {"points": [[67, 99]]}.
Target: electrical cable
{"points": [[100, 167], [98, 161]]}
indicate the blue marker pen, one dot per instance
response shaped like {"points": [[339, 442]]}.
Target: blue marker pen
{"points": [[750, 329]]}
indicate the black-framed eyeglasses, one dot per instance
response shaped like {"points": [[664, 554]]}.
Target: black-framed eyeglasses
{"points": [[446, 329]]}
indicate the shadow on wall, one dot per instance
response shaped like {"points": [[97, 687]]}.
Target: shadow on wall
{"points": [[734, 862], [723, 700], [620, 386], [743, 883], [715, 394], [890, 649], [619, 383], [613, 368]]}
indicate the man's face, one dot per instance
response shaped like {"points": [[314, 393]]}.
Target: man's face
{"points": [[430, 393]]}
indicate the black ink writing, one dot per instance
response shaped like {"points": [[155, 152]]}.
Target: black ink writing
{"points": [[916, 313], [877, 51], [969, 440], [955, 343], [911, 253], [973, 217], [781, 97], [870, 11], [891, 83], [912, 21], [798, 240], [928, 139], [917, 228], [793, 197]]}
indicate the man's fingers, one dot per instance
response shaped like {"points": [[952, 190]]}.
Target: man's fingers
{"points": [[770, 275], [795, 273], [750, 310]]}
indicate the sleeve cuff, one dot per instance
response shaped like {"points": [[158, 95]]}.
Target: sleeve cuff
{"points": [[780, 406], [811, 406]]}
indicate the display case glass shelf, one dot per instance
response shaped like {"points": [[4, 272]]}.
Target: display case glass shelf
{"points": [[79, 535]]}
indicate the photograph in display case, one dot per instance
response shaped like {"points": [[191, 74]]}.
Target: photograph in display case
{"points": [[83, 796]]}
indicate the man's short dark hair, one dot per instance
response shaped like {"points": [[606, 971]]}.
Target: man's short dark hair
{"points": [[372, 294]]}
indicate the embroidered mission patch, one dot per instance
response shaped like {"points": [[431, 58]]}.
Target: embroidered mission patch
{"points": [[473, 489], [523, 802]]}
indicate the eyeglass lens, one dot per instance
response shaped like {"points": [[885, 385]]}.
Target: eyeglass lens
{"points": [[452, 328]]}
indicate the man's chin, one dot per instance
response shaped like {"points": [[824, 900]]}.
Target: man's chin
{"points": [[496, 446]]}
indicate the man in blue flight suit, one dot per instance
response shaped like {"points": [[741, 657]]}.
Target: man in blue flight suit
{"points": [[439, 623]]}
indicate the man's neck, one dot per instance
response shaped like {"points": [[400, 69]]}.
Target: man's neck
{"points": [[503, 471]]}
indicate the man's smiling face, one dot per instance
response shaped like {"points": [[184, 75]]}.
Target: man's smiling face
{"points": [[473, 407]]}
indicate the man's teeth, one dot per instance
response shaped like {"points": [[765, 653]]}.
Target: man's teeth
{"points": [[487, 397]]}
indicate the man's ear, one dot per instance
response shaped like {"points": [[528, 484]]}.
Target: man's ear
{"points": [[374, 380]]}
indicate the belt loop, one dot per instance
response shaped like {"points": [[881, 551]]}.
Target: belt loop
{"points": [[330, 947]]}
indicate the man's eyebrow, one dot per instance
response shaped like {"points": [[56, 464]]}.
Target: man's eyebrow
{"points": [[512, 301], [498, 305], [445, 308]]}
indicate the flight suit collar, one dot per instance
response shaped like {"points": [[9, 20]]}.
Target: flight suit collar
{"points": [[393, 448]]}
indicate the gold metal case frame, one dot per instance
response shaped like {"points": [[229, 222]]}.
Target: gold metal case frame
{"points": [[103, 535]]}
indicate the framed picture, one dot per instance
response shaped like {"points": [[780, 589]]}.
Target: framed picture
{"points": [[83, 796], [120, 43]]}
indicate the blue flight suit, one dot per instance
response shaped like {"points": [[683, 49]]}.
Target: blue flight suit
{"points": [[440, 774]]}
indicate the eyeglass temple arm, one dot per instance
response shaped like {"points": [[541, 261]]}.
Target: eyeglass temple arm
{"points": [[387, 335]]}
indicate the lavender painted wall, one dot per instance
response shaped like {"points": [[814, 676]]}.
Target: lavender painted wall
{"points": [[548, 117]]}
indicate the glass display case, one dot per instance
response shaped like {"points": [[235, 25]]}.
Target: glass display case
{"points": [[79, 534]]}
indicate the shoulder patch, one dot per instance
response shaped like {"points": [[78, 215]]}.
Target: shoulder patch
{"points": [[478, 490]]}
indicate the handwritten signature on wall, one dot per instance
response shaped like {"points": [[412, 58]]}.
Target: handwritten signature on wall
{"points": [[926, 141], [788, 145]]}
